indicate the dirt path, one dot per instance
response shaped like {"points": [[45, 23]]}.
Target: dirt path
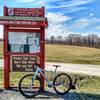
{"points": [[74, 68]]}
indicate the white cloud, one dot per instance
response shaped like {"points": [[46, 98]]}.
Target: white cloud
{"points": [[57, 18], [91, 14], [1, 31], [71, 6], [83, 23], [71, 3], [98, 28], [56, 24], [75, 9], [37, 2], [56, 30], [79, 2], [26, 1]]}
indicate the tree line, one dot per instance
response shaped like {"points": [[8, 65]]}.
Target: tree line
{"points": [[91, 40]]}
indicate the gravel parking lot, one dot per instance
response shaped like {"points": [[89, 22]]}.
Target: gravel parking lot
{"points": [[15, 95]]}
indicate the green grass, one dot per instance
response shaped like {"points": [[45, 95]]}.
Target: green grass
{"points": [[72, 54], [89, 84], [1, 77], [1, 50]]}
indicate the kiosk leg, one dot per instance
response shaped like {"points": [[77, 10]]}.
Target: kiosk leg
{"points": [[42, 78], [6, 73], [42, 60], [42, 84]]}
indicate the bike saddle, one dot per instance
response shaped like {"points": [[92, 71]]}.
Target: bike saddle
{"points": [[57, 65]]}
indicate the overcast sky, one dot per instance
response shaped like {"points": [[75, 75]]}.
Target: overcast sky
{"points": [[64, 16]]}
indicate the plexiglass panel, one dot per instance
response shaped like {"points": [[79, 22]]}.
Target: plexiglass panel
{"points": [[24, 42]]}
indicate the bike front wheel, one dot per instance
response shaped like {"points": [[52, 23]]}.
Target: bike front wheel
{"points": [[29, 87], [62, 83]]}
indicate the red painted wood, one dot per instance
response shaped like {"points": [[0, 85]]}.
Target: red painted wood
{"points": [[6, 58], [21, 30], [42, 49], [35, 12], [42, 53], [22, 22], [8, 27]]}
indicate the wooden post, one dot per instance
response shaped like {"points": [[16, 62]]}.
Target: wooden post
{"points": [[42, 58], [6, 62]]}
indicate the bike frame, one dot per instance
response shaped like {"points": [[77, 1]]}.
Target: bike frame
{"points": [[40, 70]]}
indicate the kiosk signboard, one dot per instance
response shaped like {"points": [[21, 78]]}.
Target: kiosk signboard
{"points": [[23, 42], [23, 63]]}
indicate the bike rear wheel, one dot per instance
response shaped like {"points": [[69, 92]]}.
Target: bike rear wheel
{"points": [[28, 87], [62, 83]]}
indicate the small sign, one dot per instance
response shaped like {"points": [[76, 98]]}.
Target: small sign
{"points": [[35, 12], [23, 63]]}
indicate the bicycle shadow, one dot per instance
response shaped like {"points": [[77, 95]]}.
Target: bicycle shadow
{"points": [[73, 95], [69, 96], [48, 95]]}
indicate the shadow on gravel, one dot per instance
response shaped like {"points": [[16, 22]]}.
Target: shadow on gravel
{"points": [[48, 95], [69, 96], [53, 96], [81, 96], [1, 90]]}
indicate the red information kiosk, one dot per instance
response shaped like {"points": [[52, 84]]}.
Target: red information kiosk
{"points": [[24, 33]]}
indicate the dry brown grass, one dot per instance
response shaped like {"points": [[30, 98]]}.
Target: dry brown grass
{"points": [[72, 54], [1, 50]]}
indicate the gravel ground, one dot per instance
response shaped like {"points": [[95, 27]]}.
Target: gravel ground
{"points": [[15, 95], [75, 68]]}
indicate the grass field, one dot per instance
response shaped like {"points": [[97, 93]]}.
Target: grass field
{"points": [[72, 54], [68, 54]]}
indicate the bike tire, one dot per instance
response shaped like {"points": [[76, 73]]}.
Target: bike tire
{"points": [[22, 90], [58, 89]]}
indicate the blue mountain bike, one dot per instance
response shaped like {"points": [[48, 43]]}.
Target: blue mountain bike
{"points": [[30, 84]]}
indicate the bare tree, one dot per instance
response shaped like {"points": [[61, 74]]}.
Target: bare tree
{"points": [[91, 40], [59, 39], [52, 39]]}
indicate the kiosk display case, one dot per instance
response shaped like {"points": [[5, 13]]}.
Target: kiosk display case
{"points": [[24, 40]]}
